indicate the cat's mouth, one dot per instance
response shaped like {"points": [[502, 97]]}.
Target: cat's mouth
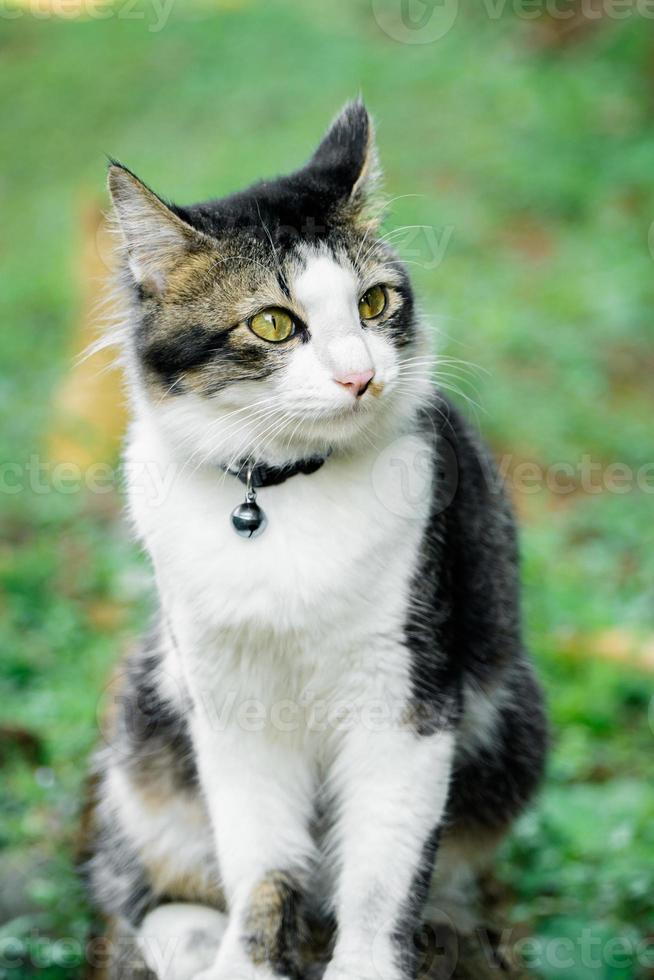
{"points": [[348, 412], [338, 424], [361, 405], [327, 410]]}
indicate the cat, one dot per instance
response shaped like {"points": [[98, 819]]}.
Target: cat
{"points": [[333, 717]]}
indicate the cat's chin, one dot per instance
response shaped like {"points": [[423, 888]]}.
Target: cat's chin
{"points": [[341, 430], [317, 439], [345, 429], [348, 433], [196, 432]]}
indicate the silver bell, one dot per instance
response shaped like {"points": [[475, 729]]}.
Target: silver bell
{"points": [[248, 519]]}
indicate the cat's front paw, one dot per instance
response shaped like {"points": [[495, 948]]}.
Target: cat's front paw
{"points": [[363, 968], [234, 965], [180, 940], [240, 971]]}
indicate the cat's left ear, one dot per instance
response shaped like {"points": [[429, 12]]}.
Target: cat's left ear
{"points": [[156, 239], [347, 155]]}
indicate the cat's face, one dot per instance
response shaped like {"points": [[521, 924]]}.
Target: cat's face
{"points": [[276, 321]]}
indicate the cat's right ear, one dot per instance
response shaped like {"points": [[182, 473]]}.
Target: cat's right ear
{"points": [[156, 240], [347, 156]]}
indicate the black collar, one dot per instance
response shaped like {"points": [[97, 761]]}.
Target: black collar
{"points": [[270, 476]]}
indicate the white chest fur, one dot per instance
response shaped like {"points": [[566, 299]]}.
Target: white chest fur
{"points": [[336, 558]]}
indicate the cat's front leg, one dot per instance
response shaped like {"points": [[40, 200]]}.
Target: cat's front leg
{"points": [[259, 789], [392, 790]]}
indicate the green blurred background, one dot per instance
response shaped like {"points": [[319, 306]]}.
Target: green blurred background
{"points": [[523, 141]]}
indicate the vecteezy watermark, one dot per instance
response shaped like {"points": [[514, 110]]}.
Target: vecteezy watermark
{"points": [[435, 944], [154, 14], [587, 950], [403, 476], [584, 475], [427, 21], [415, 21], [41, 477], [42, 952], [134, 714], [403, 473], [108, 239], [421, 245], [431, 950]]}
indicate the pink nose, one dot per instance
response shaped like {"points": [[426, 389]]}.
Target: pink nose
{"points": [[356, 383]]}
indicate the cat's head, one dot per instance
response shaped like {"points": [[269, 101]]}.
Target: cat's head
{"points": [[275, 321]]}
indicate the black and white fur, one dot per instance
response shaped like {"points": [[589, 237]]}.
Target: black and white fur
{"points": [[321, 715]]}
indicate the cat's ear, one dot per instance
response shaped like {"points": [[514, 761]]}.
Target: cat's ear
{"points": [[156, 240], [347, 155]]}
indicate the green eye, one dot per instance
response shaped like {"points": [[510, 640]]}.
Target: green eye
{"points": [[273, 324], [372, 303]]}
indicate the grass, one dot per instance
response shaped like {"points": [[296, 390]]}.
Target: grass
{"points": [[532, 164]]}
